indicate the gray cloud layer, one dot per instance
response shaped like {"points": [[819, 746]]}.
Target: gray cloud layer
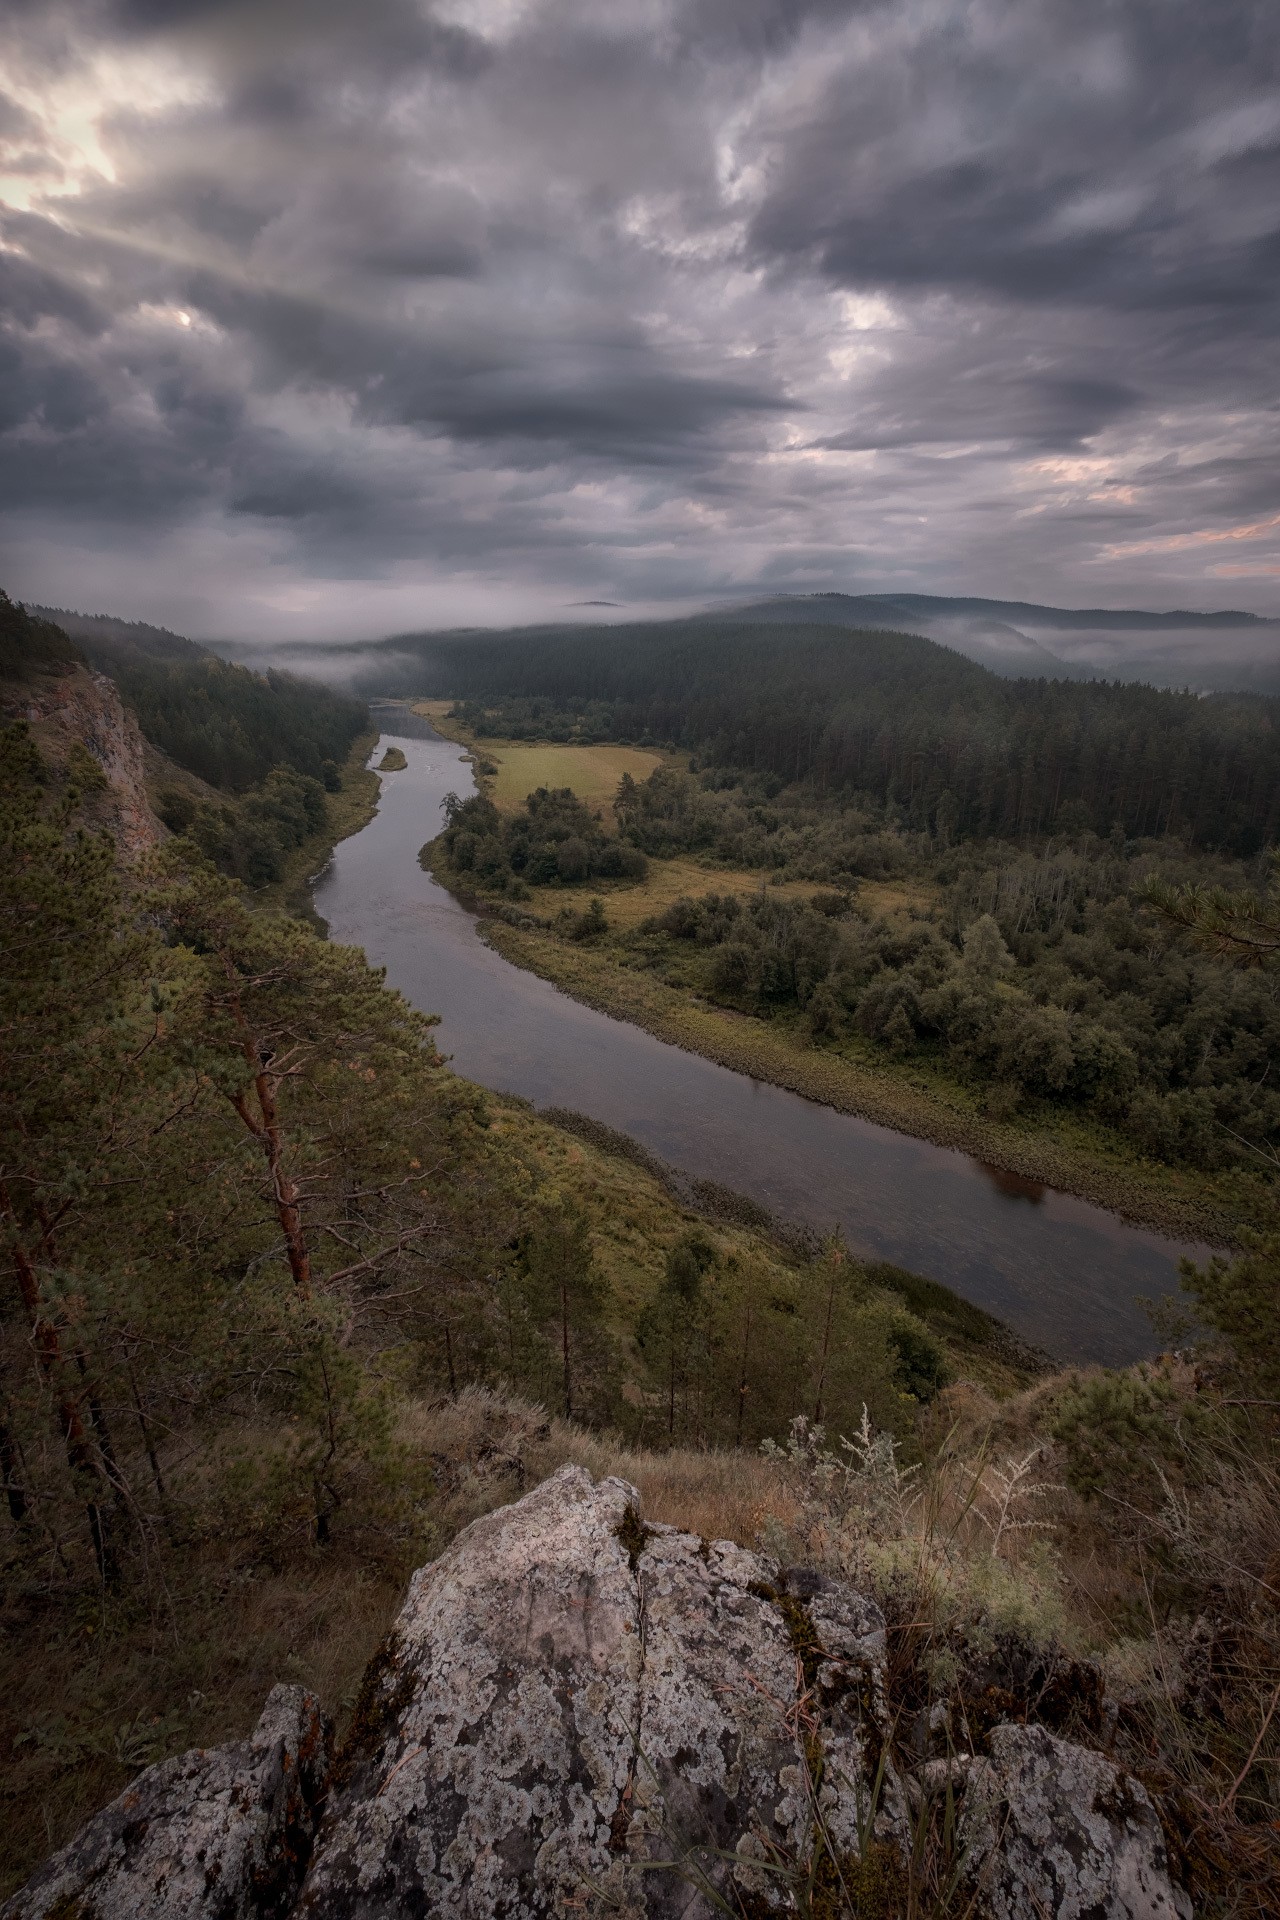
{"points": [[332, 319]]}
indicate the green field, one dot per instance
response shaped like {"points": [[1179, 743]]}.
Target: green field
{"points": [[592, 773]]}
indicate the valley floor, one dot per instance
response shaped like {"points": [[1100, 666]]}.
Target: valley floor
{"points": [[1071, 1156], [1048, 1147]]}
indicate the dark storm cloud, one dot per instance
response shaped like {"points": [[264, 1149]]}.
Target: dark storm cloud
{"points": [[1071, 150], [643, 298]]}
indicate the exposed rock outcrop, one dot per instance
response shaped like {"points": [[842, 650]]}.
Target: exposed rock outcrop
{"points": [[222, 1833], [85, 707], [576, 1713], [570, 1698], [1065, 1833]]}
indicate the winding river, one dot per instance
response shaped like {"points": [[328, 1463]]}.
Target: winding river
{"points": [[1064, 1274]]}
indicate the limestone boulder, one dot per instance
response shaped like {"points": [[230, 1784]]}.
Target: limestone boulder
{"points": [[576, 1712], [220, 1833], [1054, 1828]]}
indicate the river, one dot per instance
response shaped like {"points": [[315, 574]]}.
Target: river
{"points": [[1064, 1274]]}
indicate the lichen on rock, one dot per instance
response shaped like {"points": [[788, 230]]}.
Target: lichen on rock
{"points": [[219, 1833], [554, 1723], [1054, 1828], [577, 1712]]}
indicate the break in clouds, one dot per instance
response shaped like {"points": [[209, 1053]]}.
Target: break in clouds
{"points": [[329, 319]]}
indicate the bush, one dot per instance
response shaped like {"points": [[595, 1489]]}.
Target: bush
{"points": [[554, 841], [1118, 1431], [251, 839], [589, 925]]}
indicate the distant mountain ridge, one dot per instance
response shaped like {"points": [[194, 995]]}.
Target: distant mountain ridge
{"points": [[1220, 652], [1229, 651]]}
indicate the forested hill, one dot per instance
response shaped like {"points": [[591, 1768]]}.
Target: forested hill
{"points": [[890, 716], [29, 645], [242, 761], [106, 640], [225, 723], [1225, 652]]}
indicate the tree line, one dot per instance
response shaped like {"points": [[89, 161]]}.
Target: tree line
{"points": [[898, 719], [265, 749], [245, 1208], [554, 839], [232, 727]]}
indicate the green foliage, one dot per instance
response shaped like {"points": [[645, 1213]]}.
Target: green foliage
{"points": [[1240, 1300], [213, 1203], [1033, 977], [251, 839], [589, 925], [272, 745], [921, 1365], [911, 725], [554, 841], [32, 646], [733, 1349], [1119, 1432], [560, 1294], [943, 1311], [673, 1333], [231, 726]]}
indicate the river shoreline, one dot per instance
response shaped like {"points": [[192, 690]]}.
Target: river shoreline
{"points": [[752, 1047], [1067, 1276], [349, 812]]}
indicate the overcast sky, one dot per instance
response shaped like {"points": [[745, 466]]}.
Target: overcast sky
{"points": [[330, 318]]}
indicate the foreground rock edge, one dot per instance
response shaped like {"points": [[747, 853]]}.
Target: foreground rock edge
{"points": [[578, 1712]]}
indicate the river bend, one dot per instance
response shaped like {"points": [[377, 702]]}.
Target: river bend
{"points": [[1064, 1274]]}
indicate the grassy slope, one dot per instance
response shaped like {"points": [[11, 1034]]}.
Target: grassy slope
{"points": [[349, 811], [129, 1685]]}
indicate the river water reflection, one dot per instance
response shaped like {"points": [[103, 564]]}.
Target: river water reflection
{"points": [[1066, 1275]]}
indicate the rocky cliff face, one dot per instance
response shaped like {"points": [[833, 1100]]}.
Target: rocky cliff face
{"points": [[85, 707], [576, 1714]]}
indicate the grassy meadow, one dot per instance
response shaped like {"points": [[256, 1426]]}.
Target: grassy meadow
{"points": [[508, 770]]}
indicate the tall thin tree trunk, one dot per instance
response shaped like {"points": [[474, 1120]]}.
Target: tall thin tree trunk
{"points": [[11, 1466], [826, 1348], [144, 1427], [267, 1130], [82, 1458], [284, 1194], [102, 1435]]}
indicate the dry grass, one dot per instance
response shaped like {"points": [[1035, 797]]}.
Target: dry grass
{"points": [[630, 901], [490, 1447], [91, 1694], [592, 773], [976, 1552]]}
